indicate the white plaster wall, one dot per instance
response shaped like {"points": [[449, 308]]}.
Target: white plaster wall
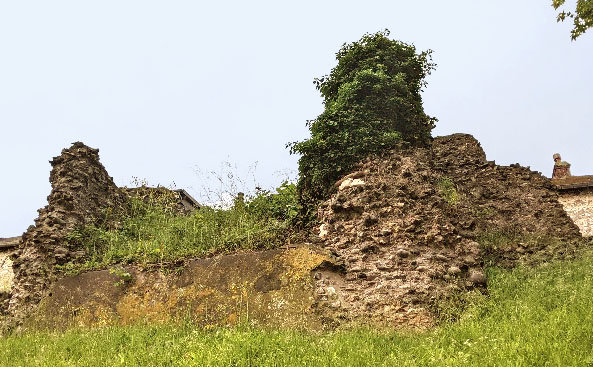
{"points": [[6, 274], [579, 207]]}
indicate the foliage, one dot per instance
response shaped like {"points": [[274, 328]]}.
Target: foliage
{"points": [[582, 17], [448, 190], [531, 317], [502, 238], [122, 274], [372, 102], [280, 205], [537, 248], [152, 232], [160, 196]]}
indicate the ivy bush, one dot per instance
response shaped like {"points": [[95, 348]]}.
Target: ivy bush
{"points": [[280, 205], [372, 103]]}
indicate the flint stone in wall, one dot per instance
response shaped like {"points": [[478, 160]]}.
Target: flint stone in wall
{"points": [[411, 241]]}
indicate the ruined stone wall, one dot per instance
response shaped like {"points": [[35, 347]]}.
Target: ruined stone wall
{"points": [[81, 191], [270, 288], [406, 227], [506, 198], [402, 231], [579, 206]]}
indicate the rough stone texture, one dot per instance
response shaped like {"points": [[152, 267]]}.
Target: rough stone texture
{"points": [[498, 197], [578, 204], [6, 280], [403, 231], [81, 191], [405, 244], [272, 288]]}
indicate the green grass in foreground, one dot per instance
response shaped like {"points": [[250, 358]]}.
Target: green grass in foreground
{"points": [[533, 317]]}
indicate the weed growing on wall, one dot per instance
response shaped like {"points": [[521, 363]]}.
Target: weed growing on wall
{"points": [[281, 205], [153, 233], [448, 190], [123, 276], [219, 188], [372, 102]]}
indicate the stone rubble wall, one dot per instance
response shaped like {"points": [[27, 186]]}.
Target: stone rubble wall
{"points": [[262, 288], [579, 206], [81, 191], [406, 244], [506, 198], [399, 243]]}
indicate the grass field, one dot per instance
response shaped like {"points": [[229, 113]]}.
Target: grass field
{"points": [[532, 317]]}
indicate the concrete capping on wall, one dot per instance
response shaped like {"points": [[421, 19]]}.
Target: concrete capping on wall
{"points": [[8, 243], [572, 182]]}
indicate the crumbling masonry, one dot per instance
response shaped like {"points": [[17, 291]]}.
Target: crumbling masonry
{"points": [[81, 191], [398, 235]]}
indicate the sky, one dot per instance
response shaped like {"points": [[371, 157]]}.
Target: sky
{"points": [[170, 91]]}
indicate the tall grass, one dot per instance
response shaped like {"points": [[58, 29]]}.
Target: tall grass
{"points": [[531, 317], [151, 232]]}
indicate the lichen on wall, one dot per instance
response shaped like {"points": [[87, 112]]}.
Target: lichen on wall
{"points": [[265, 288], [578, 204]]}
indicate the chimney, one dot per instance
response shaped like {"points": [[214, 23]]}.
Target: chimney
{"points": [[561, 168]]}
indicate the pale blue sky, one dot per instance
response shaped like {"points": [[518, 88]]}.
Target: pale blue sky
{"points": [[163, 87]]}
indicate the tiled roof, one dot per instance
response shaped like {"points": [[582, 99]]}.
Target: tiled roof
{"points": [[185, 195], [573, 182]]}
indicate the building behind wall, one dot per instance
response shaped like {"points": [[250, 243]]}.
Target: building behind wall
{"points": [[7, 246], [575, 195]]}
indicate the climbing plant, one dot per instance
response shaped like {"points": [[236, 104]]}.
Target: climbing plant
{"points": [[372, 103]]}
